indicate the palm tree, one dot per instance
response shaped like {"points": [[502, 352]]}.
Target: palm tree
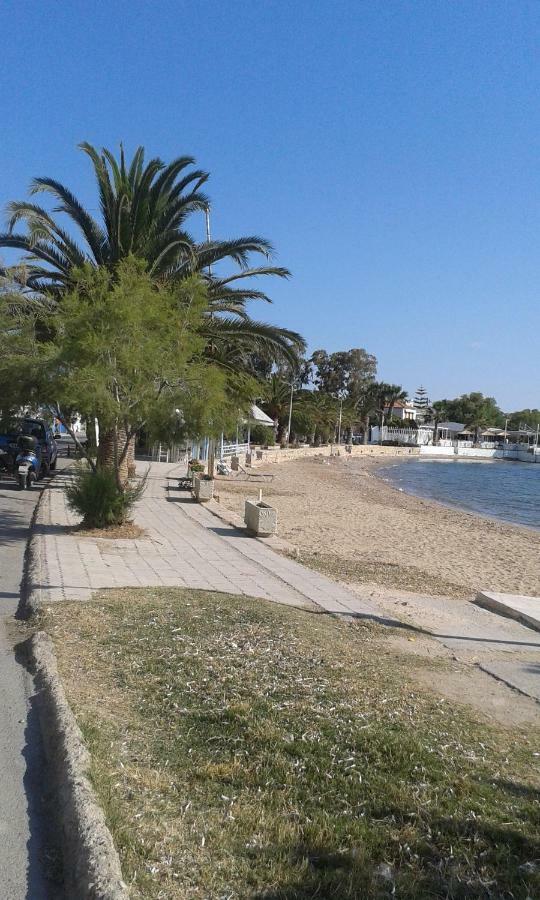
{"points": [[385, 396], [320, 411], [276, 403], [144, 209], [143, 212]]}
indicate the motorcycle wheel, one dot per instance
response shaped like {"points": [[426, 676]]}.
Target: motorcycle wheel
{"points": [[22, 482]]}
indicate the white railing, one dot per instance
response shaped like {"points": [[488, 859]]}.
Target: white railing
{"points": [[232, 449], [411, 437], [165, 453]]}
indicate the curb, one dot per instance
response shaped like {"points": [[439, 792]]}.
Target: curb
{"points": [[30, 602], [91, 864]]}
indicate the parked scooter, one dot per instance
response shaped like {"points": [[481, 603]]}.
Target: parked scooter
{"points": [[28, 460]]}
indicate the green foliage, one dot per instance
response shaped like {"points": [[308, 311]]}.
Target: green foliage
{"points": [[472, 409], [262, 434], [382, 397], [344, 373], [145, 207], [394, 422], [94, 495], [277, 399], [530, 418], [127, 351], [316, 416]]}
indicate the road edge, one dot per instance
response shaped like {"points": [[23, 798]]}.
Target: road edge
{"points": [[92, 869], [30, 597]]}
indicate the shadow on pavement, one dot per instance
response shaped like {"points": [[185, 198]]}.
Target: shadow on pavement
{"points": [[44, 869]]}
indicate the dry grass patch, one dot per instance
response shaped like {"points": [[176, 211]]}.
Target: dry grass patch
{"points": [[364, 569], [243, 749]]}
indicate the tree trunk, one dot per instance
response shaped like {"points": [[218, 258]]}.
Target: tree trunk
{"points": [[366, 430], [111, 443]]}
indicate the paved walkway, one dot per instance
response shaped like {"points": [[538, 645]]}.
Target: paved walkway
{"points": [[188, 546]]}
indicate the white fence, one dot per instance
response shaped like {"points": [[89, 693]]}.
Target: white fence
{"points": [[232, 449], [169, 454], [408, 437]]}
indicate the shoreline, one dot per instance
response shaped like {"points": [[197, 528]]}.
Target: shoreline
{"points": [[341, 517], [456, 507]]}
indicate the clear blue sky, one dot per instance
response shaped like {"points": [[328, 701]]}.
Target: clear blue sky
{"points": [[389, 150]]}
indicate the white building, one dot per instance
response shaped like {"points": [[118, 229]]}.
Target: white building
{"points": [[401, 409]]}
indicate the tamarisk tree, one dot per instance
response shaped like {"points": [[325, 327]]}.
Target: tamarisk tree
{"points": [[124, 350]]}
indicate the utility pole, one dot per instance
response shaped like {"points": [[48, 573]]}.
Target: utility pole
{"points": [[211, 442], [207, 220], [339, 421], [290, 414]]}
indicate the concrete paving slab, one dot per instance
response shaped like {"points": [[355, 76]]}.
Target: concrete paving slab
{"points": [[514, 606], [520, 674]]}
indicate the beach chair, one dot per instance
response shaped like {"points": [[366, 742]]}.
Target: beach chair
{"points": [[246, 475]]}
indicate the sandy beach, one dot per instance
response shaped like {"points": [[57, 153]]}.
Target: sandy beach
{"points": [[342, 519]]}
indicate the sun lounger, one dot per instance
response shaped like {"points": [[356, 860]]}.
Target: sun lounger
{"points": [[246, 475]]}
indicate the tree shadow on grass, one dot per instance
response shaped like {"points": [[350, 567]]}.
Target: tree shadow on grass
{"points": [[463, 859]]}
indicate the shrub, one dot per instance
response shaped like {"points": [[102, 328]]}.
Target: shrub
{"points": [[262, 434], [96, 497]]}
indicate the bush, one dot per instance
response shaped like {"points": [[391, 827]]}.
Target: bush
{"points": [[96, 497], [261, 434]]}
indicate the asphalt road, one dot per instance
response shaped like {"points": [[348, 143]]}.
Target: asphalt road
{"points": [[24, 851]]}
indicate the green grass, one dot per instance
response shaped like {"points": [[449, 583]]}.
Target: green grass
{"points": [[243, 749]]}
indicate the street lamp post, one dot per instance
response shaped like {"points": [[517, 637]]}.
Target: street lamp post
{"points": [[339, 421], [290, 414]]}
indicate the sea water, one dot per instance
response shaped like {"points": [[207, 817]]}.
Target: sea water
{"points": [[503, 490]]}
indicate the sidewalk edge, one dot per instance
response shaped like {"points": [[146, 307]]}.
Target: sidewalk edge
{"points": [[30, 597], [92, 869]]}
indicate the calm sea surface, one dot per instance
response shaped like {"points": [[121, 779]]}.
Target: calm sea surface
{"points": [[501, 490]]}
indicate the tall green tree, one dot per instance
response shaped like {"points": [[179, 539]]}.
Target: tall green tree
{"points": [[474, 410], [344, 373], [384, 397], [529, 418], [144, 212], [123, 349], [276, 403]]}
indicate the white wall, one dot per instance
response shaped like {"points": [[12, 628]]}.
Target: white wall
{"points": [[432, 450], [479, 453]]}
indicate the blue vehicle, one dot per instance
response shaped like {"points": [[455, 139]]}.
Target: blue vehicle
{"points": [[28, 460], [28, 451]]}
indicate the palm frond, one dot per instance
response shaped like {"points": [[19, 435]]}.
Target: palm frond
{"points": [[93, 233]]}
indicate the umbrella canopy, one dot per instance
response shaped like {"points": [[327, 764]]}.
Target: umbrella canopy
{"points": [[257, 415], [451, 426]]}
